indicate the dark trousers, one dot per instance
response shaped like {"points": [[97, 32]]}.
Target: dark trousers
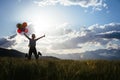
{"points": [[32, 50]]}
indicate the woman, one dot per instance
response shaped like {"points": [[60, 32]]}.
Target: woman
{"points": [[32, 45]]}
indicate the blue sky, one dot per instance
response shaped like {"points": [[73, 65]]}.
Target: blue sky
{"points": [[71, 26], [14, 11]]}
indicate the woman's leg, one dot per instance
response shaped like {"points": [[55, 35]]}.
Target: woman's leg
{"points": [[35, 53], [30, 54]]}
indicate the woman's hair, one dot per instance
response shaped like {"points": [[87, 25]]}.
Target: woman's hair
{"points": [[33, 35]]}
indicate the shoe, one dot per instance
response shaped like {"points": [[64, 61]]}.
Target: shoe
{"points": [[39, 54]]}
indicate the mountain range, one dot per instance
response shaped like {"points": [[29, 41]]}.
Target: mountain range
{"points": [[17, 54], [105, 54]]}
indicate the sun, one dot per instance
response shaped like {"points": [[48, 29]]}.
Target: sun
{"points": [[43, 20], [43, 23]]}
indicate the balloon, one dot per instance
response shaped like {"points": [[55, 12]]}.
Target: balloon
{"points": [[19, 31], [19, 25], [24, 25], [26, 30], [22, 28]]}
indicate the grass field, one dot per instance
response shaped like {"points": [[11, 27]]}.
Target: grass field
{"points": [[22, 69]]}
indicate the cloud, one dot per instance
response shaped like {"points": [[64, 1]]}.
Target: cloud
{"points": [[65, 45], [64, 39], [111, 45], [105, 28], [8, 41], [93, 35], [95, 4], [13, 36], [110, 35]]}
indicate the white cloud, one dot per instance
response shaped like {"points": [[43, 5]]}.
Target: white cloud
{"points": [[92, 35], [64, 39], [111, 45], [95, 4]]}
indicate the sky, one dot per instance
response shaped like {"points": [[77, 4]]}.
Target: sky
{"points": [[70, 26]]}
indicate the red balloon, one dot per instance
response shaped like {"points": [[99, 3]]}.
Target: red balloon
{"points": [[19, 31], [26, 30], [24, 25]]}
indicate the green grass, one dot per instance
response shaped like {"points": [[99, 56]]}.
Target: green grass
{"points": [[22, 69]]}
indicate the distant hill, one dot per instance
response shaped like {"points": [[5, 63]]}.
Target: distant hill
{"points": [[48, 57], [14, 53], [101, 54], [107, 54], [104, 54], [11, 53]]}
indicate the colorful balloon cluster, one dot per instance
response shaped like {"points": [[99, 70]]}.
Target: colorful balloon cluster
{"points": [[22, 27]]}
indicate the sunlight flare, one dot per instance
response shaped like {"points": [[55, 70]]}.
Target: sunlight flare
{"points": [[43, 23]]}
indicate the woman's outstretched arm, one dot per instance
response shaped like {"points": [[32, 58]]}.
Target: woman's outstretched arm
{"points": [[40, 37], [26, 36]]}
